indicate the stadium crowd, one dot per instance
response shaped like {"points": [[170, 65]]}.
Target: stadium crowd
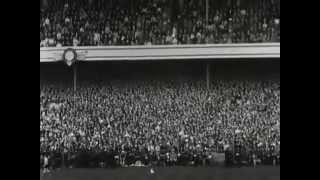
{"points": [[99, 22], [160, 122]]}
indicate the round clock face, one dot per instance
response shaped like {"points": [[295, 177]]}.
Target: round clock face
{"points": [[69, 55]]}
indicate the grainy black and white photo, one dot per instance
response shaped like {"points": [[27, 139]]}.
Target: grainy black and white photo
{"points": [[159, 89]]}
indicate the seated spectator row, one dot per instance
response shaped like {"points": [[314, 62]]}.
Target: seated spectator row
{"points": [[77, 23]]}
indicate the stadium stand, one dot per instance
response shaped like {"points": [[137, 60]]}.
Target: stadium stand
{"points": [[157, 22], [121, 116], [158, 120]]}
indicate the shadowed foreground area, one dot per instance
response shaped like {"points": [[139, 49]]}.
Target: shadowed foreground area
{"points": [[174, 173]]}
